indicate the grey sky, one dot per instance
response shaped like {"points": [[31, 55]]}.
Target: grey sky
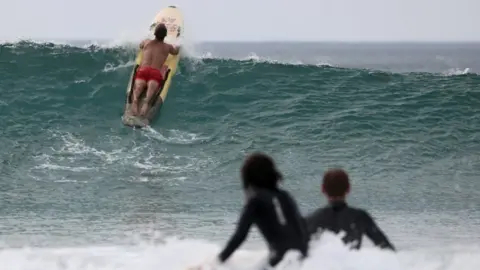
{"points": [[248, 20]]}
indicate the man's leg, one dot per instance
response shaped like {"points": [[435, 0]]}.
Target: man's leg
{"points": [[152, 89], [137, 91]]}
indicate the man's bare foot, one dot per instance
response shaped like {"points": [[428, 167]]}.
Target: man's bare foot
{"points": [[144, 109], [134, 107]]}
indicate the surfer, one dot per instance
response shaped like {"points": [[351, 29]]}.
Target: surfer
{"points": [[338, 216], [149, 74], [271, 209]]}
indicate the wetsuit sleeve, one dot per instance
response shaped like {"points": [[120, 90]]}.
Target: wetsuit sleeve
{"points": [[300, 221], [311, 223], [243, 227], [376, 234]]}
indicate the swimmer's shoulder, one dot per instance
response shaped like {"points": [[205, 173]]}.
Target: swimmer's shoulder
{"points": [[144, 43]]}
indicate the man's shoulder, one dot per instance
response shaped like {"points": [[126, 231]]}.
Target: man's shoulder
{"points": [[144, 43], [270, 194], [358, 210], [317, 213], [328, 209], [261, 196], [264, 197], [359, 214]]}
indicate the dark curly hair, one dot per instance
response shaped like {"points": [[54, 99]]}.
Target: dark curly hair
{"points": [[160, 32], [259, 171]]}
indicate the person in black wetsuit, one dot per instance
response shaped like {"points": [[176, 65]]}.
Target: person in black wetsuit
{"points": [[338, 216], [271, 209]]}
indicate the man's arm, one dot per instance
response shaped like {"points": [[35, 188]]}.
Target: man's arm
{"points": [[243, 227], [174, 50], [376, 234], [299, 220], [143, 43], [313, 222]]}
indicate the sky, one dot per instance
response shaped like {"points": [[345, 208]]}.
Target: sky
{"points": [[247, 20]]}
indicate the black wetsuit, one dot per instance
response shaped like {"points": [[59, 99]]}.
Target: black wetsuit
{"points": [[277, 217], [338, 216]]}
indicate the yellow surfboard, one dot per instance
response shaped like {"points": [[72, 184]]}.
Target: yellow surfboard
{"points": [[173, 19]]}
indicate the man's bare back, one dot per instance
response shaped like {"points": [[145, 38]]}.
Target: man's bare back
{"points": [[155, 53], [149, 74]]}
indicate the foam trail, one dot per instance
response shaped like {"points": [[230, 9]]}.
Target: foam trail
{"points": [[172, 136]]}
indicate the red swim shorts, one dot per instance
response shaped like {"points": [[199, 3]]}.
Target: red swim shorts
{"points": [[148, 74]]}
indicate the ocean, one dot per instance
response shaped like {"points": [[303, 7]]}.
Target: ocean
{"points": [[78, 190]]}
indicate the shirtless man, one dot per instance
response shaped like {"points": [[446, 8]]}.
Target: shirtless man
{"points": [[149, 74]]}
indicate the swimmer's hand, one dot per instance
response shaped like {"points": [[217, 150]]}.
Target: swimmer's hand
{"points": [[179, 42]]}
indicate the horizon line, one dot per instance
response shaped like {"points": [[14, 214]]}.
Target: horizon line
{"points": [[6, 40]]}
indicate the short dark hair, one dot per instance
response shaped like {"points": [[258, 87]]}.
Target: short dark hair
{"points": [[160, 31], [336, 183], [259, 171]]}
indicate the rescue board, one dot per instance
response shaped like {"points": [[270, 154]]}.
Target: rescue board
{"points": [[173, 19]]}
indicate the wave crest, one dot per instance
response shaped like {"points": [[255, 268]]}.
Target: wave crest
{"points": [[192, 53]]}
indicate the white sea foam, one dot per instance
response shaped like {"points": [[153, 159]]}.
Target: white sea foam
{"points": [[329, 254]]}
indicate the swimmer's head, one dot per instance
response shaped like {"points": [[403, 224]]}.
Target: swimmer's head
{"points": [[259, 171], [160, 32], [336, 184]]}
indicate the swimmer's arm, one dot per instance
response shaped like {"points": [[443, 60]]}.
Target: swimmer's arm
{"points": [[174, 50], [300, 221], [376, 234], [143, 43], [243, 227], [312, 222]]}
